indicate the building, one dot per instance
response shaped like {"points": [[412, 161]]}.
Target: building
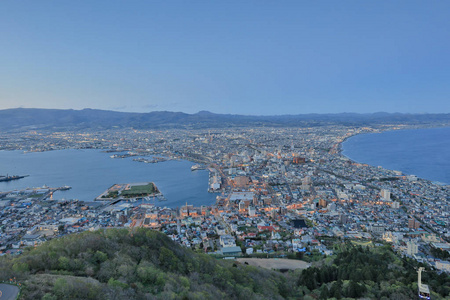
{"points": [[231, 251], [443, 265], [242, 205], [392, 237], [385, 194], [411, 248], [430, 238], [251, 211], [215, 183], [343, 219], [377, 228], [241, 181], [227, 241], [299, 160], [413, 224], [236, 197]]}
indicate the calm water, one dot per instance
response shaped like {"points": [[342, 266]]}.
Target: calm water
{"points": [[90, 172], [422, 152]]}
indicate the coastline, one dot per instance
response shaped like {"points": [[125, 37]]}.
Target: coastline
{"points": [[341, 154], [193, 187]]}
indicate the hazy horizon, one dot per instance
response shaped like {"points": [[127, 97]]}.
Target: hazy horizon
{"points": [[243, 114], [248, 58]]}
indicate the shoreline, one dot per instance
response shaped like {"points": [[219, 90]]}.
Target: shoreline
{"points": [[342, 155], [149, 172]]}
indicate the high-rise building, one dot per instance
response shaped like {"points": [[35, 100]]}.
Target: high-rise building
{"points": [[343, 218], [411, 248], [413, 224], [385, 194], [251, 211]]}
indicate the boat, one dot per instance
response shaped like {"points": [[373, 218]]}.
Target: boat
{"points": [[197, 167], [13, 177]]}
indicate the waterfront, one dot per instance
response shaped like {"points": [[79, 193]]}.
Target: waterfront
{"points": [[285, 174], [421, 152], [91, 172]]}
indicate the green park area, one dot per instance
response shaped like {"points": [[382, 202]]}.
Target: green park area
{"points": [[140, 191]]}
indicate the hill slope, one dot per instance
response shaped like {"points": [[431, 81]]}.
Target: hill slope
{"points": [[114, 264], [145, 264]]}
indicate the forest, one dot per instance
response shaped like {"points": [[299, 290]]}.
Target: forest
{"points": [[145, 264], [138, 264], [375, 273]]}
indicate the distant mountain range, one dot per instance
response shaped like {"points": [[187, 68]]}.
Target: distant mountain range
{"points": [[56, 119]]}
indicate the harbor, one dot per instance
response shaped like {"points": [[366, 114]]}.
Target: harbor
{"points": [[173, 177]]}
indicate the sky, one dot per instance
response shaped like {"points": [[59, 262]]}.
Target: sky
{"points": [[235, 57]]}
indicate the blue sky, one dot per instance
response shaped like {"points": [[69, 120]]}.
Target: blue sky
{"points": [[240, 57]]}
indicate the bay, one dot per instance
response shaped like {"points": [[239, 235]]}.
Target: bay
{"points": [[421, 152], [90, 172]]}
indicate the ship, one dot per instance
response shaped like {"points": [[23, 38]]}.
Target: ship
{"points": [[197, 167], [13, 177], [65, 188]]}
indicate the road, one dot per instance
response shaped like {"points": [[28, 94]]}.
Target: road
{"points": [[8, 292]]}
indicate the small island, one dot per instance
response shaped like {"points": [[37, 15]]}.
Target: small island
{"points": [[130, 191]]}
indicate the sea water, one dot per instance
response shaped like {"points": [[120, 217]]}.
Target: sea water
{"points": [[91, 172], [421, 152]]}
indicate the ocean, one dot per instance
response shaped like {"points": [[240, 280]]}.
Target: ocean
{"points": [[91, 172], [421, 152]]}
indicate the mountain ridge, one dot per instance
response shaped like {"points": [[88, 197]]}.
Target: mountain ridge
{"points": [[70, 119]]}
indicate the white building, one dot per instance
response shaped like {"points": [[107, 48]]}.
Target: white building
{"points": [[443, 265], [411, 248], [392, 237], [395, 204], [251, 211], [241, 196], [377, 228], [227, 241], [385, 194], [215, 182]]}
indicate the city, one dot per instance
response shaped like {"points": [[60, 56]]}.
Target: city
{"points": [[246, 150], [279, 192]]}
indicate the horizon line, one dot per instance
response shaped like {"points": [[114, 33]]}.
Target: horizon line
{"points": [[235, 114]]}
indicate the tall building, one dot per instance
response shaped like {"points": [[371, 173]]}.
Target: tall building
{"points": [[411, 248], [385, 194], [343, 219], [413, 224], [251, 211]]}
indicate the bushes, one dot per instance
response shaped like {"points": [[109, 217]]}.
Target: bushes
{"points": [[142, 264]]}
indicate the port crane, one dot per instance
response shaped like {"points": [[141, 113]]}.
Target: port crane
{"points": [[424, 291]]}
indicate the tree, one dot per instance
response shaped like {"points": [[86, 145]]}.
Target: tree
{"points": [[324, 292], [336, 288]]}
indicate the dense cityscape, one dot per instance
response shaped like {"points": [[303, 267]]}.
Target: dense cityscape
{"points": [[243, 150], [280, 191]]}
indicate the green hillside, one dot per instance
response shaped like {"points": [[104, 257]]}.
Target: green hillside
{"points": [[115, 264], [145, 264]]}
